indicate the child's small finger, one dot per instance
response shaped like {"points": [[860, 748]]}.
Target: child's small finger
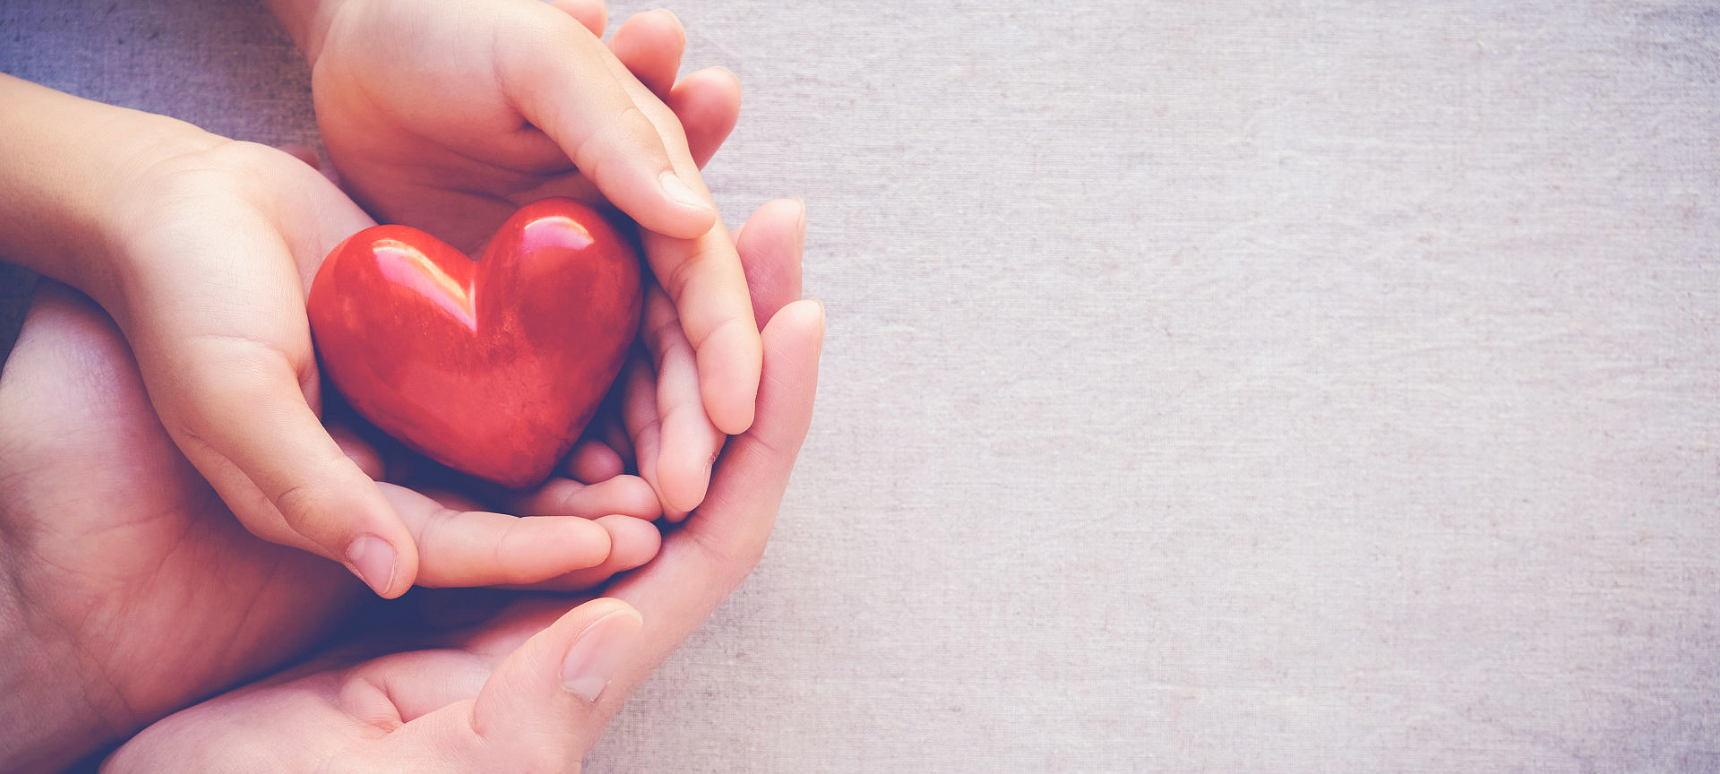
{"points": [[639, 414], [689, 440], [708, 103], [623, 495], [704, 278], [633, 542], [593, 461], [636, 379], [649, 45], [591, 14], [478, 548]]}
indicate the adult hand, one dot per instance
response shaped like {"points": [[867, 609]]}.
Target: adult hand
{"points": [[449, 117], [531, 689], [132, 590]]}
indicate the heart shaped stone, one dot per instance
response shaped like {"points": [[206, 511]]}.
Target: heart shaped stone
{"points": [[492, 367]]}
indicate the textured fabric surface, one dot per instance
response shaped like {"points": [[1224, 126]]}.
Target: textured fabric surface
{"points": [[1210, 386]]}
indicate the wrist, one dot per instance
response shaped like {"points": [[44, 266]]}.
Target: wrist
{"points": [[65, 163]]}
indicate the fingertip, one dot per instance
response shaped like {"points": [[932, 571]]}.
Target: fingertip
{"points": [[692, 213], [599, 651], [804, 318], [649, 44], [555, 545], [632, 542], [729, 366], [376, 562], [684, 469], [591, 14], [593, 461], [711, 93], [623, 494], [708, 104], [350, 518], [770, 249]]}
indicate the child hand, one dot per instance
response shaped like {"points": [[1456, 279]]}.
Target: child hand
{"points": [[201, 249], [450, 116]]}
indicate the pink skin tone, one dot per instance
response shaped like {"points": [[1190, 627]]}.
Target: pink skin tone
{"points": [[532, 688], [164, 225], [450, 121], [131, 573], [137, 588], [140, 592]]}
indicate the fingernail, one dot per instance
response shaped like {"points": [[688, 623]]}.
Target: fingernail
{"points": [[800, 228], [678, 190], [601, 648], [372, 559]]}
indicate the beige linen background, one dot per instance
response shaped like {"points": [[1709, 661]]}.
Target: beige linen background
{"points": [[1210, 386]]}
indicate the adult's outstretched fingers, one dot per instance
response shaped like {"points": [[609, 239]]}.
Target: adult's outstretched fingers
{"points": [[235, 408], [564, 82], [700, 563], [771, 246]]}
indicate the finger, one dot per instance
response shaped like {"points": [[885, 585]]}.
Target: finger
{"points": [[403, 687], [703, 561], [688, 441], [636, 409], [236, 409], [560, 77], [771, 247], [621, 495], [649, 45], [639, 413], [593, 461], [708, 103], [541, 702], [591, 14], [632, 543], [704, 278], [478, 548]]}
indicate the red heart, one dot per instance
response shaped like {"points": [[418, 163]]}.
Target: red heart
{"points": [[492, 367]]}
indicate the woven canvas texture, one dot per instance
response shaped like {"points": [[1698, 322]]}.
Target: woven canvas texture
{"points": [[1210, 386]]}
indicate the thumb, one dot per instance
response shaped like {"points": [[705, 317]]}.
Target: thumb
{"points": [[564, 81], [542, 698], [237, 411]]}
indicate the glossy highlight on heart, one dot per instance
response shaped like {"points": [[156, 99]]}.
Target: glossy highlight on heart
{"points": [[492, 367]]}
